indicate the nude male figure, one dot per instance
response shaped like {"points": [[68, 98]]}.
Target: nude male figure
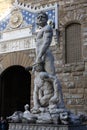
{"points": [[45, 77]]}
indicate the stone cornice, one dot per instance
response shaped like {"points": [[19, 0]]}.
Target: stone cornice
{"points": [[20, 44], [18, 18], [34, 8]]}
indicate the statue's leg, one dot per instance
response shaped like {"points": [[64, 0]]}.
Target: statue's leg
{"points": [[55, 97], [40, 93], [58, 96], [44, 101], [36, 107], [49, 63], [36, 97]]}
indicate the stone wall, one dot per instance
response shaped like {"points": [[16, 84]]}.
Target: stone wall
{"points": [[73, 76]]}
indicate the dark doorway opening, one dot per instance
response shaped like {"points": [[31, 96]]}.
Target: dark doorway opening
{"points": [[15, 84]]}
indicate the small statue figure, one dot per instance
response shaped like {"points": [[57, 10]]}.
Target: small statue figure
{"points": [[26, 113], [27, 116]]}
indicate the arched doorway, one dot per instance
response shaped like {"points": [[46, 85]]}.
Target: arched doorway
{"points": [[15, 84]]}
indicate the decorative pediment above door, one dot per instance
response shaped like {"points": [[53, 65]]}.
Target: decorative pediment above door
{"points": [[24, 15]]}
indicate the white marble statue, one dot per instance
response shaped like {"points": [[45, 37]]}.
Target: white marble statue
{"points": [[26, 113], [47, 89], [15, 117], [27, 116]]}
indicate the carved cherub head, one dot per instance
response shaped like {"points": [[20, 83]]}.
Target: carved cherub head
{"points": [[42, 19]]}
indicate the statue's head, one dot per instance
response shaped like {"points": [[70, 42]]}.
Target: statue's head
{"points": [[42, 19], [39, 67], [26, 107]]}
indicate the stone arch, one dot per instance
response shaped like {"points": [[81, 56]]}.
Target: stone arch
{"points": [[72, 16], [15, 89], [16, 58], [17, 61]]}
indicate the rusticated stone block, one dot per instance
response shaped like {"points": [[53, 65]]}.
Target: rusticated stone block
{"points": [[80, 101], [70, 84], [79, 84], [73, 91], [67, 69], [76, 78], [58, 70], [79, 106], [86, 66], [75, 102], [80, 68], [85, 90], [77, 73], [80, 90], [75, 107], [73, 68], [85, 51], [65, 90], [85, 74], [67, 77], [66, 95], [71, 102], [60, 56]]}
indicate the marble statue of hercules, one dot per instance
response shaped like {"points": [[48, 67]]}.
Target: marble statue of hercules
{"points": [[45, 73], [43, 41]]}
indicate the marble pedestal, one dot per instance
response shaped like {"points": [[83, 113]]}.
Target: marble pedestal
{"points": [[26, 126]]}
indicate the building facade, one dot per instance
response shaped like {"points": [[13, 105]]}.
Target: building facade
{"points": [[69, 46]]}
